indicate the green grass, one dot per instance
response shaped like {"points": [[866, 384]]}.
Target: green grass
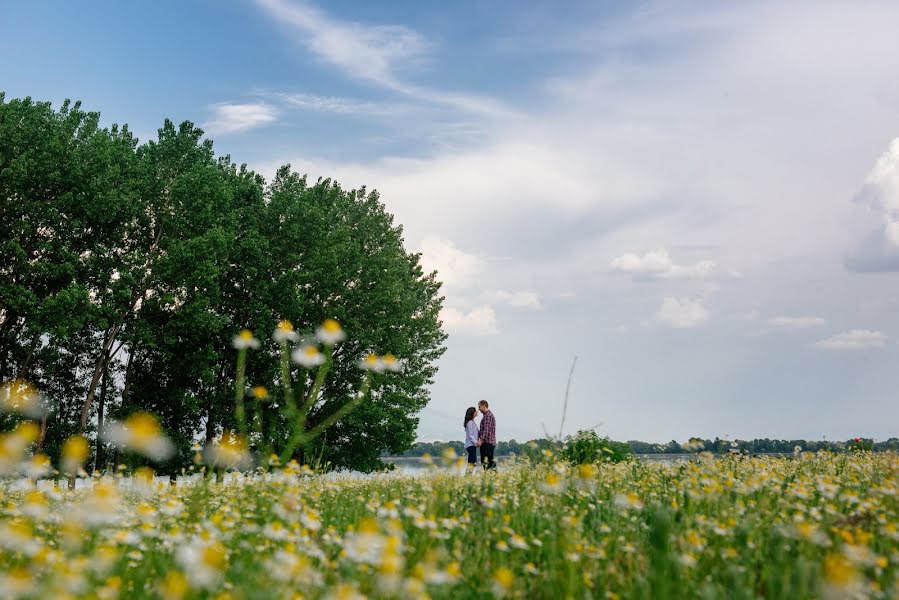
{"points": [[815, 526]]}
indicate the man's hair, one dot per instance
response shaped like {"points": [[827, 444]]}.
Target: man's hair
{"points": [[484, 402]]}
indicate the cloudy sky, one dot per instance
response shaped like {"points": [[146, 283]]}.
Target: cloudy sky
{"points": [[700, 200]]}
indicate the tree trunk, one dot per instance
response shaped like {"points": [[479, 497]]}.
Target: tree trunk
{"points": [[99, 367], [7, 343], [45, 418], [23, 370], [210, 419], [98, 458]]}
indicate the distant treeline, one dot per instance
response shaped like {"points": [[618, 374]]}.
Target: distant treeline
{"points": [[718, 445]]}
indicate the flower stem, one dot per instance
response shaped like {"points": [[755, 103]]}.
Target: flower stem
{"points": [[240, 390]]}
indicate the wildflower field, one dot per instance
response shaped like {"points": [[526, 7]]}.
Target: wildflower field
{"points": [[816, 525]]}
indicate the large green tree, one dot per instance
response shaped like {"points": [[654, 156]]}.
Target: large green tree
{"points": [[126, 269]]}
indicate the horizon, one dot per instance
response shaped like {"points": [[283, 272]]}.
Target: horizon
{"points": [[699, 202]]}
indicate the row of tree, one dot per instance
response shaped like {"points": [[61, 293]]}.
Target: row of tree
{"points": [[126, 268], [718, 445]]}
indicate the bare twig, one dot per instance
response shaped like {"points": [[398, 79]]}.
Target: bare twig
{"points": [[567, 389]]}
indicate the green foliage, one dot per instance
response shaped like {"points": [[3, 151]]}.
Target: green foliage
{"points": [[126, 269], [587, 447], [860, 445]]}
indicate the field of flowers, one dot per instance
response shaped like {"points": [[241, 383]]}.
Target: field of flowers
{"points": [[810, 526]]}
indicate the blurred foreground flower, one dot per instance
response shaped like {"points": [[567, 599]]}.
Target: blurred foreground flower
{"points": [[39, 466], [204, 562], [503, 580], [244, 340], [391, 363], [75, 451], [14, 444], [373, 363], [308, 356], [230, 452], [284, 332], [141, 433], [330, 333], [20, 396]]}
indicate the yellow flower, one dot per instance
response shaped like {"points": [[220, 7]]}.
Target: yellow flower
{"points": [[391, 363], [308, 356], [231, 452], [284, 332], [553, 483], [244, 340], [448, 457], [330, 332], [838, 571], [38, 467], [141, 432], [586, 471], [174, 586], [74, 452], [20, 396], [503, 580], [203, 562], [13, 445], [260, 392], [373, 363], [143, 475]]}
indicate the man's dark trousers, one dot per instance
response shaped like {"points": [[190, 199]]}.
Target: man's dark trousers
{"points": [[487, 456]]}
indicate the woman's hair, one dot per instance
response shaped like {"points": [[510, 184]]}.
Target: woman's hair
{"points": [[469, 415]]}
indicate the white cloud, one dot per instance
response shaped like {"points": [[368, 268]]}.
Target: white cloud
{"points": [[682, 313], [879, 250], [235, 118], [658, 264], [794, 323], [364, 51], [373, 53], [338, 105], [479, 321], [855, 339], [455, 268], [521, 299]]}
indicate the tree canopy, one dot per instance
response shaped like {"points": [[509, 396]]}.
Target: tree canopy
{"points": [[126, 268]]}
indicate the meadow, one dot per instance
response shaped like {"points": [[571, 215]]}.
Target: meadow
{"points": [[811, 526]]}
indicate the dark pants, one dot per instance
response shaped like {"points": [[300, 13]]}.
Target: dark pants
{"points": [[487, 456], [472, 455]]}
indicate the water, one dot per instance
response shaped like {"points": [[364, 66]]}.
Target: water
{"points": [[417, 463]]}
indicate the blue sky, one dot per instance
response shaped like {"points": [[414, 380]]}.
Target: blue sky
{"points": [[700, 199]]}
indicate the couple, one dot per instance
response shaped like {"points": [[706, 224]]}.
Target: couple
{"points": [[483, 437]]}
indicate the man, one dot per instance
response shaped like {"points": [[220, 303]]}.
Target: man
{"points": [[487, 435]]}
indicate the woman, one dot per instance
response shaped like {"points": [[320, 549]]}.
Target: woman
{"points": [[471, 436]]}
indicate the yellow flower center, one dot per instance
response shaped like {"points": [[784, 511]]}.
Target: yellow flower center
{"points": [[75, 449], [28, 430], [331, 326], [504, 577], [143, 428], [214, 556]]}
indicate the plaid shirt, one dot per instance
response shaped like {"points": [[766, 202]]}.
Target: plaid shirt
{"points": [[488, 429]]}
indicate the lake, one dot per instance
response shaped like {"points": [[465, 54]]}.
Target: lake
{"points": [[415, 463]]}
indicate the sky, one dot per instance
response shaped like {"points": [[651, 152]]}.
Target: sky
{"points": [[699, 199]]}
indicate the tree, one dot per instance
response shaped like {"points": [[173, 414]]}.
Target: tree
{"points": [[127, 269]]}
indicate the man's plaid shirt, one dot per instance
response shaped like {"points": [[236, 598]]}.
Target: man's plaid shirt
{"points": [[487, 432]]}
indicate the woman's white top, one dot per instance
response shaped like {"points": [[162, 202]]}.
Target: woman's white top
{"points": [[471, 434]]}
